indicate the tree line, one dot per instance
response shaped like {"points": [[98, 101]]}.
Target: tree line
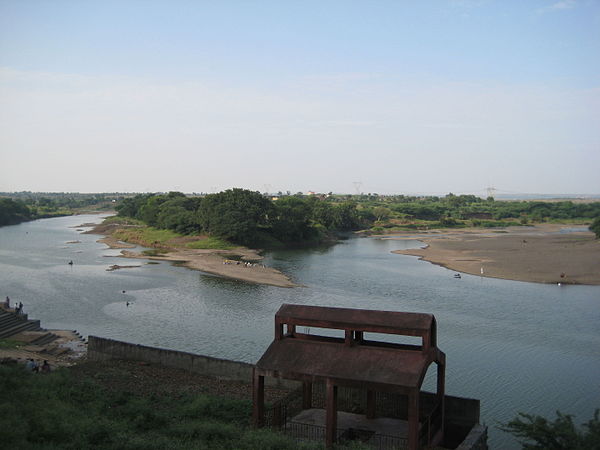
{"points": [[251, 218], [17, 207]]}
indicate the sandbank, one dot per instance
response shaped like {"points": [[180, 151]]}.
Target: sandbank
{"points": [[541, 254], [211, 261]]}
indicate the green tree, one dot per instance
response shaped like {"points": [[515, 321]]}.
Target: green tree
{"points": [[291, 220], [381, 213], [179, 214], [323, 213], [130, 207], [13, 212], [235, 214], [538, 433], [595, 227], [346, 217]]}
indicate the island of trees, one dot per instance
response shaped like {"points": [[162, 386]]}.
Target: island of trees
{"points": [[250, 218]]}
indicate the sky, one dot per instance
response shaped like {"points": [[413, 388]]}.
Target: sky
{"points": [[373, 96]]}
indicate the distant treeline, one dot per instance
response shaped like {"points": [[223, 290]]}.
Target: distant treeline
{"points": [[468, 207], [17, 207], [245, 217], [251, 218]]}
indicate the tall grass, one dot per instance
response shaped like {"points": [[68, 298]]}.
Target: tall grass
{"points": [[59, 411]]}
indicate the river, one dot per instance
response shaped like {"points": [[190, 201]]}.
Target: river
{"points": [[516, 346]]}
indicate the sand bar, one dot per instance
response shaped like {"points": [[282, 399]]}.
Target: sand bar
{"points": [[210, 261], [541, 254]]}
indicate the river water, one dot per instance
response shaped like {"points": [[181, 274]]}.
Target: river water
{"points": [[516, 346]]}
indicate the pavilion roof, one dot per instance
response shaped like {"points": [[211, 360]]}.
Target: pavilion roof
{"points": [[310, 360], [405, 323], [365, 363]]}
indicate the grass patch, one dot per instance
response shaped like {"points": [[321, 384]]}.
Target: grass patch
{"points": [[9, 343], [65, 410], [211, 243], [146, 236]]}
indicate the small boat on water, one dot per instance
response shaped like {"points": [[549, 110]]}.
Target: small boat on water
{"points": [[457, 275]]}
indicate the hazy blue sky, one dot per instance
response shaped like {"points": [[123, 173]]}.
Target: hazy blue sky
{"points": [[402, 96]]}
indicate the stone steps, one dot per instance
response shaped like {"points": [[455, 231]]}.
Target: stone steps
{"points": [[12, 323], [11, 329], [44, 339]]}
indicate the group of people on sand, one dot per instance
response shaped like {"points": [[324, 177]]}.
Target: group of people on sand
{"points": [[245, 263], [33, 366]]}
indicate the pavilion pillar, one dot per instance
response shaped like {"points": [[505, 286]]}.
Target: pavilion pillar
{"points": [[370, 404], [349, 338], [330, 414], [358, 336], [258, 399], [413, 419], [307, 395], [441, 383]]}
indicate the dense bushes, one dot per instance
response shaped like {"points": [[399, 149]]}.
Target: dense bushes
{"points": [[12, 212]]}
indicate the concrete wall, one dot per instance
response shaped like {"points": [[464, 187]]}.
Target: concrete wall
{"points": [[475, 440], [100, 349]]}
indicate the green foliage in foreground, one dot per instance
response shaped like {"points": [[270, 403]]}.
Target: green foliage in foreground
{"points": [[57, 411], [538, 433]]}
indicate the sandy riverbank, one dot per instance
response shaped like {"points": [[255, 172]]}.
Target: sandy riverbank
{"points": [[209, 261], [539, 254]]}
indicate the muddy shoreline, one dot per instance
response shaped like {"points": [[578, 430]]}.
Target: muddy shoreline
{"points": [[541, 254]]}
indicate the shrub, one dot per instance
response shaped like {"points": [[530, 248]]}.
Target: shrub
{"points": [[595, 227]]}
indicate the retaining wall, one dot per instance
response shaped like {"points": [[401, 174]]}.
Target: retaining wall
{"points": [[100, 349]]}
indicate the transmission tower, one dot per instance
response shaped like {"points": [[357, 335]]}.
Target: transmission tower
{"points": [[357, 186], [490, 191]]}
